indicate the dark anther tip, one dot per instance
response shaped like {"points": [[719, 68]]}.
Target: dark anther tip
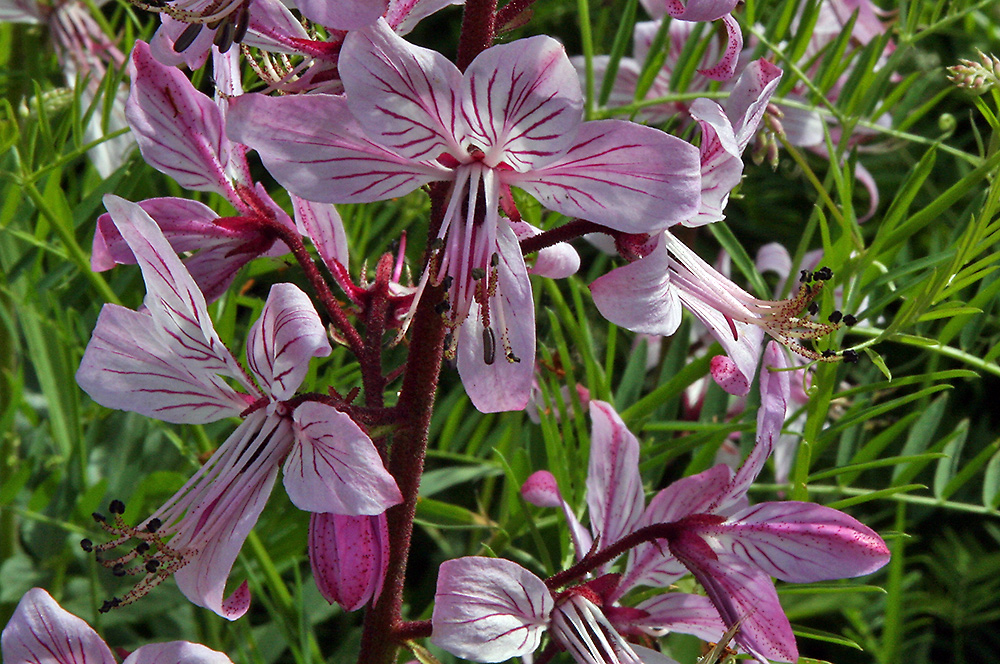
{"points": [[805, 276], [142, 548], [828, 353], [850, 356], [850, 320], [118, 569], [442, 306], [813, 308], [116, 507], [835, 316], [153, 525], [86, 545], [151, 565], [823, 274], [98, 517]]}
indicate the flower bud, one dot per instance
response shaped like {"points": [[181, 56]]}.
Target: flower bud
{"points": [[349, 556]]}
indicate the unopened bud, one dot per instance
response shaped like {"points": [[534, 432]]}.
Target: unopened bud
{"points": [[976, 76], [349, 556]]}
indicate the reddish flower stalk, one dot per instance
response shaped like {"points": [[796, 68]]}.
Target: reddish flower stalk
{"points": [[406, 461]]}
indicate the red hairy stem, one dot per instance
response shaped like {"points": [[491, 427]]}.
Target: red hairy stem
{"points": [[375, 320], [590, 562], [406, 458], [323, 292], [478, 30], [565, 233], [418, 629]]}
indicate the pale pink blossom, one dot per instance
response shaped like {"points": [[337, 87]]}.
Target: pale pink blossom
{"points": [[168, 362], [513, 119], [42, 632]]}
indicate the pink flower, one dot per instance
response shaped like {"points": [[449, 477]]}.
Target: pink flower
{"points": [[513, 119], [490, 610], [710, 532], [181, 133], [41, 631], [167, 361], [646, 295]]}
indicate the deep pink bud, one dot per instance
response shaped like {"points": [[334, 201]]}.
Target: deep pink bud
{"points": [[349, 556]]}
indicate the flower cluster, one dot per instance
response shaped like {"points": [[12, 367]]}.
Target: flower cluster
{"points": [[341, 109]]}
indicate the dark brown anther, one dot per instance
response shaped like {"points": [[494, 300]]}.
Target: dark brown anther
{"points": [[828, 353], [835, 316], [850, 356], [805, 276], [241, 22], [224, 37], [187, 37], [109, 604], [442, 307], [99, 518], [118, 569], [447, 282], [437, 244], [823, 274], [494, 259], [142, 548], [489, 346], [512, 358], [86, 545], [151, 566], [116, 507], [813, 308], [153, 525], [850, 320], [478, 273]]}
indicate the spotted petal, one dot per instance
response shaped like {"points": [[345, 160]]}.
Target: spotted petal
{"points": [[802, 542], [179, 130]]}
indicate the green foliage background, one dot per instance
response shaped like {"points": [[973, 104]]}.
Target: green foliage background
{"points": [[916, 456]]}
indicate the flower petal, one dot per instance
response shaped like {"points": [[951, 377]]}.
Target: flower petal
{"points": [[42, 631], [403, 96], [522, 102], [726, 67], [313, 146], [174, 300], [499, 378], [489, 609], [220, 505], [349, 556], [176, 652], [334, 467], [744, 596], [639, 296], [614, 489], [343, 14], [126, 366], [321, 223], [681, 612], [622, 175], [802, 542], [284, 338], [179, 130]]}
